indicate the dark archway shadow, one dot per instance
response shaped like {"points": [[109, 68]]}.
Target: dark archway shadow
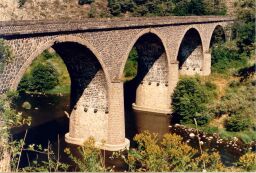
{"points": [[149, 48], [82, 66], [189, 44], [218, 36]]}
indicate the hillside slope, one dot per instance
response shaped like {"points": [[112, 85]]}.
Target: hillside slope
{"points": [[50, 9]]}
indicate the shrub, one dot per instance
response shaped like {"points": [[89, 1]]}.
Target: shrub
{"points": [[169, 154], [248, 162], [244, 27], [240, 99], [25, 84], [225, 57], [238, 123], [82, 2], [47, 55], [89, 159], [131, 65], [189, 101], [43, 77]]}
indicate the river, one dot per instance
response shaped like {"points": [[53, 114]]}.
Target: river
{"points": [[49, 123]]}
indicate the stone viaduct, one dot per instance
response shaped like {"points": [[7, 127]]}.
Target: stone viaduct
{"points": [[95, 52]]}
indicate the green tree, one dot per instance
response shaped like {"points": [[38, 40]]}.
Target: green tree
{"points": [[131, 65], [189, 101], [43, 77], [244, 27], [237, 123], [226, 56]]}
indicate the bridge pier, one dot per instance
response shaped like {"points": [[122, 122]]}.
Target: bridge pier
{"points": [[116, 122], [108, 129], [207, 64], [152, 97]]}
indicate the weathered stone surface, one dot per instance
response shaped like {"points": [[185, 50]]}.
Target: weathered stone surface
{"points": [[95, 52]]}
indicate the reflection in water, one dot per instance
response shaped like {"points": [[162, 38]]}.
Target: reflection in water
{"points": [[49, 122]]}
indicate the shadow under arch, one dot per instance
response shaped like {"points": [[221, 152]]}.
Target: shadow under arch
{"points": [[133, 42], [50, 43], [218, 36], [82, 62], [190, 52], [152, 74]]}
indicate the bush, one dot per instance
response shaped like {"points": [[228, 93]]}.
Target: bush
{"points": [[248, 162], [131, 65], [189, 101], [25, 84], [244, 27], [169, 154], [238, 123], [82, 2], [239, 99], [47, 55], [88, 158], [225, 57], [43, 77]]}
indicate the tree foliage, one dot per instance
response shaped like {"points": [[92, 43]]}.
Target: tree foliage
{"points": [[226, 56], [244, 27], [131, 65], [167, 7], [43, 77], [237, 123], [189, 100]]}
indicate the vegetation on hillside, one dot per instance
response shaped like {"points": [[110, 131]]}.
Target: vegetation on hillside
{"points": [[166, 8], [232, 112]]}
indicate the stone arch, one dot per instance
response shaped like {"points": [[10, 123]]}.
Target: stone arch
{"points": [[217, 35], [190, 54], [133, 42], [89, 110], [50, 43], [149, 90]]}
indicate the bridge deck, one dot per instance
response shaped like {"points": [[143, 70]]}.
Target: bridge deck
{"points": [[8, 28]]}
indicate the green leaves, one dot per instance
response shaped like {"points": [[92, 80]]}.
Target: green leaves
{"points": [[167, 7], [43, 77], [189, 101]]}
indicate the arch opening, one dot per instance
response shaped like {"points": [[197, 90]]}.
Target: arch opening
{"points": [[190, 55], [218, 36], [88, 106], [148, 89]]}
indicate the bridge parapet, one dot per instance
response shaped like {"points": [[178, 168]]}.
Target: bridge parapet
{"points": [[46, 26]]}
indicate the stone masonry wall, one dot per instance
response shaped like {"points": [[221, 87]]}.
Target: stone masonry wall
{"points": [[89, 116], [152, 92], [97, 92], [191, 54]]}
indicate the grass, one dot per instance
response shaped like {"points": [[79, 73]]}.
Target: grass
{"points": [[64, 89]]}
